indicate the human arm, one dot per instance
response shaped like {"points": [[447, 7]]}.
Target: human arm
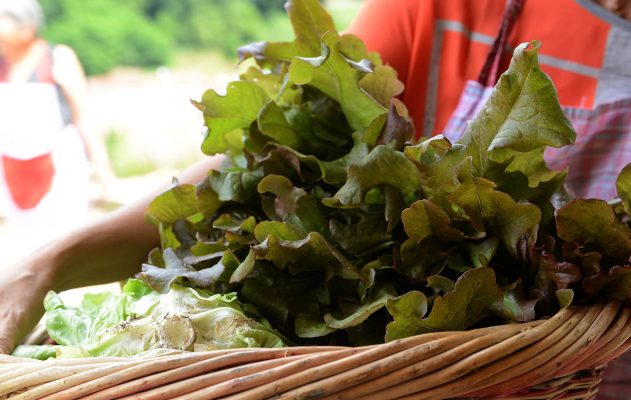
{"points": [[107, 250], [69, 75]]}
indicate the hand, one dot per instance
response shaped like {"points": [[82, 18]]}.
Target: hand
{"points": [[22, 290], [107, 250]]}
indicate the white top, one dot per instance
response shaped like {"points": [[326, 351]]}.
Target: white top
{"points": [[30, 119]]}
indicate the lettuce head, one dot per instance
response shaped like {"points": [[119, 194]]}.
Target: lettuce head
{"points": [[139, 320]]}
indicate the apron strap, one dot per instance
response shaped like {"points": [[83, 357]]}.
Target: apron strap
{"points": [[489, 73]]}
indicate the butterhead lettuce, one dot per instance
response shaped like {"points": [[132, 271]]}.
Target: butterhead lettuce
{"points": [[139, 320]]}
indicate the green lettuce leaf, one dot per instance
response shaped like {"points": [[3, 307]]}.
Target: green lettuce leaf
{"points": [[311, 254], [424, 219], [520, 119], [360, 313], [473, 298], [235, 184], [176, 270], [439, 163], [139, 320], [614, 285], [294, 205], [382, 166], [179, 202], [623, 184], [475, 295], [493, 212], [227, 116], [407, 311], [593, 222]]}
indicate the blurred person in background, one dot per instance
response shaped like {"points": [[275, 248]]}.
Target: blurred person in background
{"points": [[448, 53], [44, 152]]}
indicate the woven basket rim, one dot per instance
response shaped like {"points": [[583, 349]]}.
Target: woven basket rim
{"points": [[507, 360]]}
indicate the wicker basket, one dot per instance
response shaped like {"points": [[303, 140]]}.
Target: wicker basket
{"points": [[560, 358]]}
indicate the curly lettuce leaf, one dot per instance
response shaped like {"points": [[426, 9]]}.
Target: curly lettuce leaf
{"points": [[311, 254], [493, 212], [338, 66], [424, 219], [474, 296], [614, 285], [294, 205], [623, 185], [226, 116], [593, 222], [383, 166], [407, 311], [179, 202], [520, 119], [161, 279]]}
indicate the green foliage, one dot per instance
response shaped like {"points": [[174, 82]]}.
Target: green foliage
{"points": [[221, 24], [269, 6], [474, 295], [211, 24], [105, 34]]}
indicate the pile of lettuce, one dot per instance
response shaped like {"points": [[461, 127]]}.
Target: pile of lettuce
{"points": [[332, 225], [339, 230]]}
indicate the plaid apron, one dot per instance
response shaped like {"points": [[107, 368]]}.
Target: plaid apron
{"points": [[602, 149], [603, 141]]}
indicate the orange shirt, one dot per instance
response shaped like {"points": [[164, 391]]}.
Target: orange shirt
{"points": [[437, 45]]}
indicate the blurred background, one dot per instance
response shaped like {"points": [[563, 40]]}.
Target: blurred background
{"points": [[145, 60]]}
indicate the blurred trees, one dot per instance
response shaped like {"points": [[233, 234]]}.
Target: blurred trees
{"points": [[267, 6], [217, 24], [106, 33]]}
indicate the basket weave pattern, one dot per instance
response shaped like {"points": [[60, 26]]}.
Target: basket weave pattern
{"points": [[560, 358]]}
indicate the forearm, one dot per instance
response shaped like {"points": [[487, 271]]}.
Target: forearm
{"points": [[109, 250], [114, 247], [96, 152], [69, 75]]}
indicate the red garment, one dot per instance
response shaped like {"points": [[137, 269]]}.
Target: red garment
{"points": [[28, 180], [438, 45]]}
